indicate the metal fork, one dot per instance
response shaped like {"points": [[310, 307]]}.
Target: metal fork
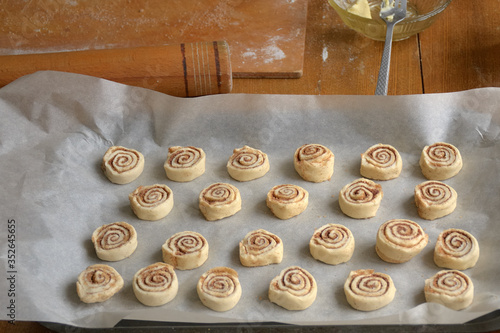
{"points": [[392, 12]]}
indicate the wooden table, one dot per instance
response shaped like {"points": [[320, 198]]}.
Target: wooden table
{"points": [[460, 51]]}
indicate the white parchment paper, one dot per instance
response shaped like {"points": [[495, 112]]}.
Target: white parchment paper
{"points": [[55, 128]]}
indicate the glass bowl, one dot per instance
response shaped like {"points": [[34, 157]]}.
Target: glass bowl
{"points": [[420, 14]]}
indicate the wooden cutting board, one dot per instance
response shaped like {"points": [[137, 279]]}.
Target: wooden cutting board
{"points": [[266, 37]]}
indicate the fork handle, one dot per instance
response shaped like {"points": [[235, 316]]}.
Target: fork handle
{"points": [[383, 74]]}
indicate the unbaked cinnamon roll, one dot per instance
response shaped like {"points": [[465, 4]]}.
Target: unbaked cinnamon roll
{"points": [[98, 283], [184, 164], [400, 240], [152, 202], [122, 165], [260, 248], [314, 162], [155, 284], [115, 241], [293, 289], [435, 199], [456, 249], [450, 288], [219, 288], [247, 164], [332, 244], [368, 291], [185, 250], [381, 162], [286, 201], [219, 200], [440, 161], [361, 198]]}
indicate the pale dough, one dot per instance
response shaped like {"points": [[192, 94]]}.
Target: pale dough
{"points": [[366, 290], [456, 249], [122, 165], [98, 283], [247, 164], [184, 164], [314, 162], [361, 198], [440, 161], [399, 240], [332, 244], [287, 201], [381, 162], [155, 284], [293, 289], [451, 288], [185, 250], [219, 200], [115, 241], [152, 202], [219, 288], [260, 248], [435, 199]]}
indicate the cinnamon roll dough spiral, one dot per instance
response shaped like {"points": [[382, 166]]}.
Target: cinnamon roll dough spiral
{"points": [[184, 164], [332, 244], [293, 289], [435, 199], [115, 241], [314, 162], [155, 284], [261, 248], [185, 250], [456, 249], [219, 200], [286, 201], [361, 198], [451, 288], [368, 291], [152, 202], [122, 165], [381, 162], [247, 163], [97, 283], [440, 161], [400, 240], [219, 288]]}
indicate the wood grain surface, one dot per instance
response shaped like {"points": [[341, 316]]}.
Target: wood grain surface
{"points": [[460, 51], [266, 37]]}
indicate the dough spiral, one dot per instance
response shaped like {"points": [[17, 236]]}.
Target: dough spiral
{"points": [[456, 249], [435, 199], [381, 162], [314, 162], [332, 244], [399, 240], [97, 283], [155, 284], [184, 164], [122, 165], [247, 163], [294, 289], [450, 288], [219, 200], [185, 250], [440, 161], [287, 200], [361, 198], [115, 241], [219, 288], [152, 202], [367, 291], [260, 248]]}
